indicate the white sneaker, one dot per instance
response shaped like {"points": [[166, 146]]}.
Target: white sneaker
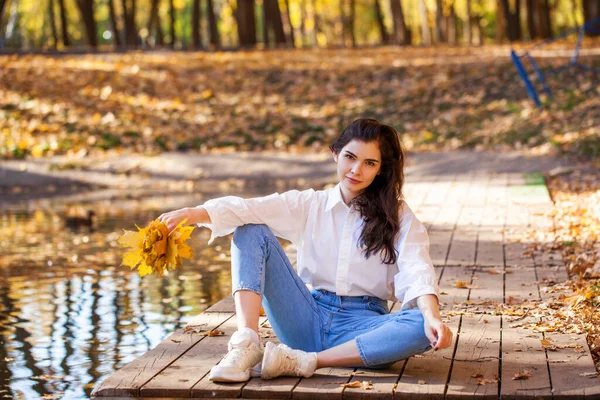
{"points": [[281, 360], [243, 355]]}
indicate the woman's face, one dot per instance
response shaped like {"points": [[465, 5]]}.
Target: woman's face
{"points": [[357, 165]]}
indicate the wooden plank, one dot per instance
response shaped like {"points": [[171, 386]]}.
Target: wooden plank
{"points": [[208, 389], [517, 217], [459, 189], [437, 194], [517, 255], [520, 347], [225, 305], [325, 384], [477, 355], [476, 194], [273, 388], [427, 214], [439, 244], [128, 380], [490, 250], [462, 248], [470, 218], [446, 218], [572, 369], [383, 382], [178, 379], [433, 368], [497, 192]]}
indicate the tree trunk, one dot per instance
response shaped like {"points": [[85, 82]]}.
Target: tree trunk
{"points": [[303, 18], [518, 34], [246, 23], [196, 25], [63, 23], [316, 23], [385, 39], [289, 19], [86, 9], [425, 35], [273, 20], [172, 24], [351, 22], [450, 31], [2, 4], [591, 10], [213, 29], [343, 21], [438, 21], [468, 31], [530, 5], [548, 20], [52, 21], [399, 35], [129, 18], [266, 23], [512, 20], [113, 23]]}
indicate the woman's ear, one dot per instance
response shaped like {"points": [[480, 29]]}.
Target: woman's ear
{"points": [[335, 157]]}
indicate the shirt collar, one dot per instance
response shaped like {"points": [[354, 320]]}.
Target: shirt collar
{"points": [[334, 196]]}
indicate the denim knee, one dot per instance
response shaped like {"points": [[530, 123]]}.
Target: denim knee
{"points": [[251, 230]]}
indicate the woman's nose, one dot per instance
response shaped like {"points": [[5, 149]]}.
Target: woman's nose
{"points": [[355, 168]]}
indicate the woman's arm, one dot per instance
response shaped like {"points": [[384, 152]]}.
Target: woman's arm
{"points": [[194, 215], [436, 331]]}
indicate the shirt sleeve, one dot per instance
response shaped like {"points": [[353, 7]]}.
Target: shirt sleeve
{"points": [[416, 275], [285, 214]]}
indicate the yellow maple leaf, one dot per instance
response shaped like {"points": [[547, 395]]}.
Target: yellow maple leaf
{"points": [[154, 249]]}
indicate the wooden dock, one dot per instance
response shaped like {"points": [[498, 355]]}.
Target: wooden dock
{"points": [[477, 223]]}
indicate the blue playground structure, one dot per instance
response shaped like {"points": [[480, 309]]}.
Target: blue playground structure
{"points": [[516, 58]]}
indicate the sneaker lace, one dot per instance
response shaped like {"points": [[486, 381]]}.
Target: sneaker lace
{"points": [[289, 363], [234, 356]]}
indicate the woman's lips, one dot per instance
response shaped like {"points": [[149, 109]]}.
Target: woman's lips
{"points": [[352, 180]]}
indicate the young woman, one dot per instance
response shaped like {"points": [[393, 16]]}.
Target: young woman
{"points": [[359, 245]]}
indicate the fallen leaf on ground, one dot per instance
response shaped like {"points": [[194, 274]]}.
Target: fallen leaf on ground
{"points": [[214, 332], [355, 384], [521, 375], [421, 382]]}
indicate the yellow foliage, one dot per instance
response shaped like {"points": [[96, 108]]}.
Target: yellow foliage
{"points": [[154, 249]]}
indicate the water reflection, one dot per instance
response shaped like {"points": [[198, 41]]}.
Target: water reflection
{"points": [[70, 316]]}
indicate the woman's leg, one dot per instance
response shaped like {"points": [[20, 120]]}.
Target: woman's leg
{"points": [[392, 338], [343, 355], [261, 267]]}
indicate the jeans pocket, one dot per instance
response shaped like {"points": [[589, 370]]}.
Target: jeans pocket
{"points": [[316, 294], [378, 307]]}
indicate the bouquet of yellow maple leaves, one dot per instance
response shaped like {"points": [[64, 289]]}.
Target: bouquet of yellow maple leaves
{"points": [[155, 250]]}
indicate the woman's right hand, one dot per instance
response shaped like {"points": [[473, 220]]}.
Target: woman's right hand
{"points": [[173, 218]]}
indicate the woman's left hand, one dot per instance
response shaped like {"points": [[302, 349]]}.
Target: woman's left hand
{"points": [[438, 333]]}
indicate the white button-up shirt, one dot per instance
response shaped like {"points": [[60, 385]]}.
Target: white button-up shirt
{"points": [[326, 231]]}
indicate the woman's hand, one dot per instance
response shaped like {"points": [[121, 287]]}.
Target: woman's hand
{"points": [[173, 218], [438, 333]]}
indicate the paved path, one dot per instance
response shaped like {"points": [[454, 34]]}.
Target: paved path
{"points": [[24, 182], [482, 211]]}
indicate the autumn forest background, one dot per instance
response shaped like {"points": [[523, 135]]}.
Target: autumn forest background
{"points": [[197, 24]]}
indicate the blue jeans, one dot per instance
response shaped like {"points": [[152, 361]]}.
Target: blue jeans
{"points": [[318, 320]]}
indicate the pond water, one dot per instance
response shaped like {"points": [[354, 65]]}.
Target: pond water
{"points": [[70, 315]]}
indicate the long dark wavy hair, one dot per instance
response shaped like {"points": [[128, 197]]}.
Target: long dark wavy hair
{"points": [[379, 204]]}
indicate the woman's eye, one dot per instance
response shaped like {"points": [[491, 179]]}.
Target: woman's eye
{"points": [[371, 163], [348, 156]]}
